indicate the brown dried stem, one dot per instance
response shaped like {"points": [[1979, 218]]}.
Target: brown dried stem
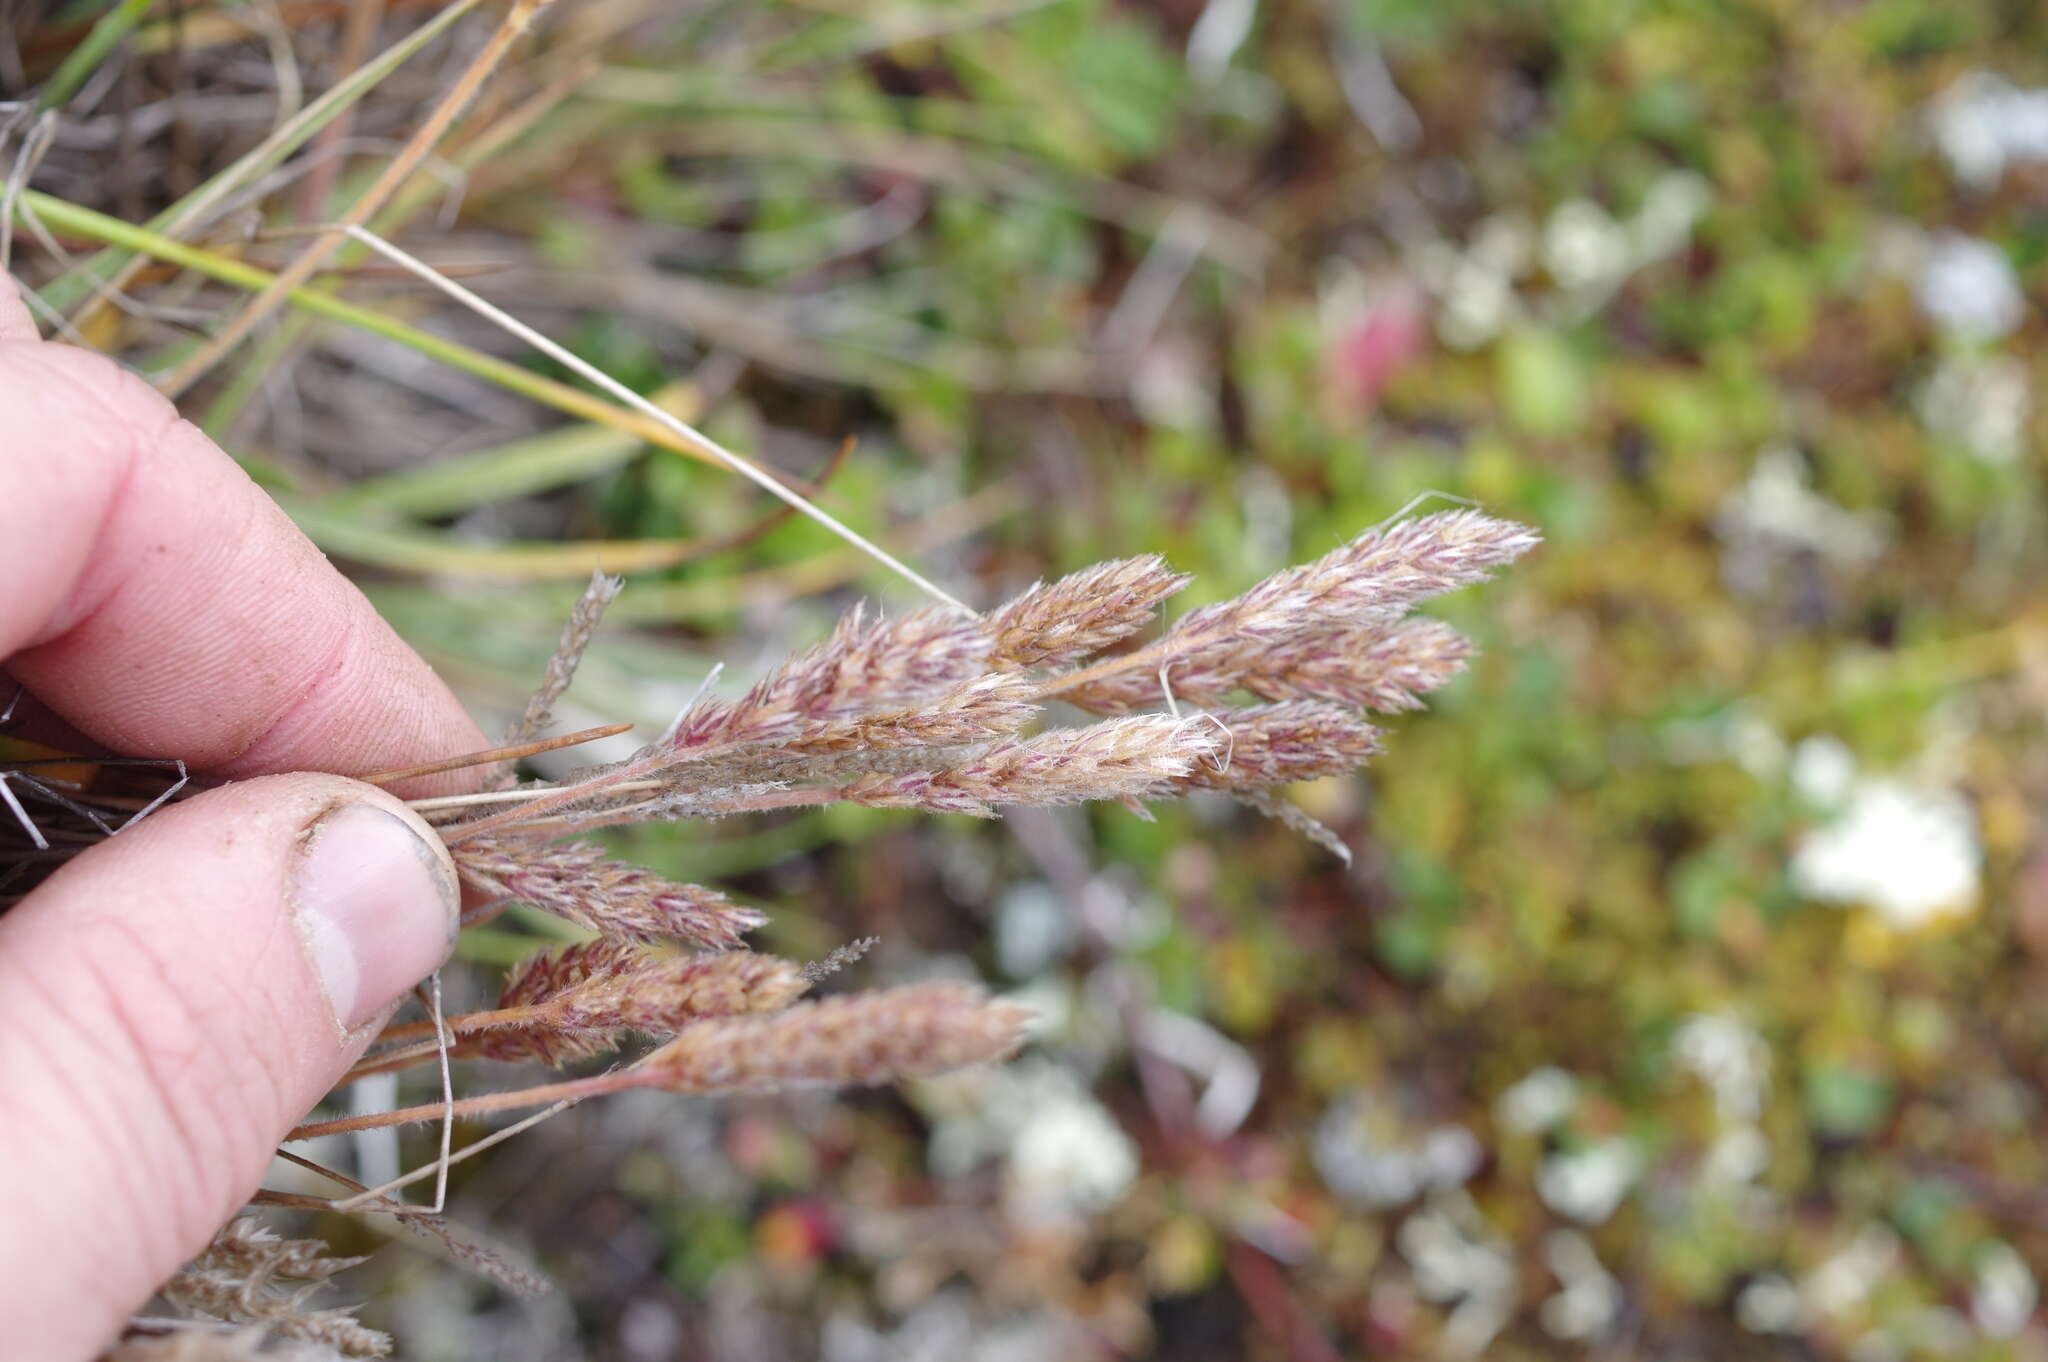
{"points": [[514, 752]]}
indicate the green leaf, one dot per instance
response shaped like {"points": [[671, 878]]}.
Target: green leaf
{"points": [[1545, 386], [1845, 1102]]}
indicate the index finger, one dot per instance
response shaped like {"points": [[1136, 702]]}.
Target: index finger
{"points": [[156, 599]]}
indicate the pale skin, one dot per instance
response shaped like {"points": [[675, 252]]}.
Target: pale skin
{"points": [[160, 1025]]}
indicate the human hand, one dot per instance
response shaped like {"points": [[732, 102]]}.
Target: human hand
{"points": [[174, 999]]}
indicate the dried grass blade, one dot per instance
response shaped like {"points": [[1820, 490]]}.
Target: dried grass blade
{"points": [[514, 752]]}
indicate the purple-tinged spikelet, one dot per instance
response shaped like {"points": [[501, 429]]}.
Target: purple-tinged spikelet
{"points": [[1355, 592], [861, 1038], [579, 882], [1057, 624], [988, 707], [1279, 744], [865, 665], [1116, 759], [583, 997], [1387, 670]]}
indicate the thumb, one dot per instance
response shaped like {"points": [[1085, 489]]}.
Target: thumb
{"points": [[171, 1002]]}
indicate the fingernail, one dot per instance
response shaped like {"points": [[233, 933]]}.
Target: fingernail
{"points": [[377, 908]]}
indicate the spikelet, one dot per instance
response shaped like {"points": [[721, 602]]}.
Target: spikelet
{"points": [[1386, 670], [205, 1343], [494, 1263], [865, 665], [1057, 624], [840, 957], [1382, 568], [1117, 759], [579, 882], [545, 976], [1279, 744], [561, 670], [585, 996], [248, 1275], [861, 1038], [541, 979], [661, 994], [992, 706], [1357, 590], [1296, 819]]}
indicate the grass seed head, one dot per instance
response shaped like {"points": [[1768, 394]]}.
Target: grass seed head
{"points": [[588, 994], [1358, 590], [1115, 759], [987, 707], [1057, 624], [859, 1039], [577, 881], [248, 1275], [864, 666], [1280, 744]]}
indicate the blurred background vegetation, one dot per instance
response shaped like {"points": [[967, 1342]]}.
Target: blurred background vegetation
{"points": [[1681, 1002]]}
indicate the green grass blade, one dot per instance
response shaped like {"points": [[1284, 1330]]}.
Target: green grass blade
{"points": [[87, 56], [409, 548], [516, 469]]}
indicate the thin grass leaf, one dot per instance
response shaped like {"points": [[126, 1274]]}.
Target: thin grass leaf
{"points": [[520, 468], [70, 217], [86, 58]]}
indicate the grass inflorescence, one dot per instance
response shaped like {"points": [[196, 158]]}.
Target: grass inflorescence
{"points": [[932, 711], [1053, 697]]}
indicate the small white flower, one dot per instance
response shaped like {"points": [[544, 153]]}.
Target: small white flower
{"points": [[1477, 306], [1847, 1278], [1457, 1257], [1755, 745], [1587, 1184], [1768, 1305], [1738, 1157], [1584, 248], [1983, 123], [1504, 242], [1968, 288], [1069, 1157], [2005, 1294], [1670, 210], [1731, 1058], [1980, 402], [1823, 771], [1910, 854], [1591, 1296], [1064, 1155], [1034, 927], [1365, 1156], [1539, 1101], [1775, 511]]}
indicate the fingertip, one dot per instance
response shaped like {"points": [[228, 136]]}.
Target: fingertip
{"points": [[15, 322], [377, 903], [166, 1016]]}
